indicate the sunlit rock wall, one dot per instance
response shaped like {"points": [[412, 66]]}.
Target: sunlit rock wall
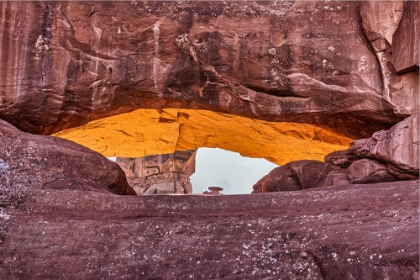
{"points": [[150, 132]]}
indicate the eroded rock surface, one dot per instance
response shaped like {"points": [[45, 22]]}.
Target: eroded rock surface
{"points": [[46, 162], [342, 159], [64, 64], [354, 232], [160, 174], [369, 171]]}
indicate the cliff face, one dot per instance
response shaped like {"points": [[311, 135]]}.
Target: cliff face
{"points": [[66, 63]]}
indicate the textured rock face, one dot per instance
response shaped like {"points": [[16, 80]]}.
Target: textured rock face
{"points": [[45, 162], [358, 232], [160, 174], [387, 156], [166, 183], [342, 159], [350, 67], [64, 64]]}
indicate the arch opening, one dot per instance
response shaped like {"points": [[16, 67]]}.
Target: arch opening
{"points": [[151, 132]]}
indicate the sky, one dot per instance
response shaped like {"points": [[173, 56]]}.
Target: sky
{"points": [[231, 171]]}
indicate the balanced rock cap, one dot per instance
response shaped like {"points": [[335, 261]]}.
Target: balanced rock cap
{"points": [[215, 188]]}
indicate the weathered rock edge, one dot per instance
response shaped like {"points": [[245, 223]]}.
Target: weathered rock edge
{"points": [[347, 232]]}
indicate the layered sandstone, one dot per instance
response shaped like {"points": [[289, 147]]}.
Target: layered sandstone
{"points": [[67, 63], [160, 174], [397, 147], [405, 50], [390, 27]]}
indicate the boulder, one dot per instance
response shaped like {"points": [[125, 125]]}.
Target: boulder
{"points": [[369, 171], [297, 175], [279, 179], [46, 162], [335, 177], [398, 147]]}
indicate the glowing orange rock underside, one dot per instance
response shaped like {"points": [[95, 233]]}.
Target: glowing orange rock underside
{"points": [[150, 132]]}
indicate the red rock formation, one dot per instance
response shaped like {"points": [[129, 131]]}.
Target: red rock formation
{"points": [[369, 171], [340, 65], [46, 162], [390, 27], [66, 63], [398, 147]]}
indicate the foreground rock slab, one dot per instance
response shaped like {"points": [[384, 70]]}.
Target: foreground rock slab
{"points": [[347, 232]]}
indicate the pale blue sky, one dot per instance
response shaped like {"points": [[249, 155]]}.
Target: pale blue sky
{"points": [[229, 170]]}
